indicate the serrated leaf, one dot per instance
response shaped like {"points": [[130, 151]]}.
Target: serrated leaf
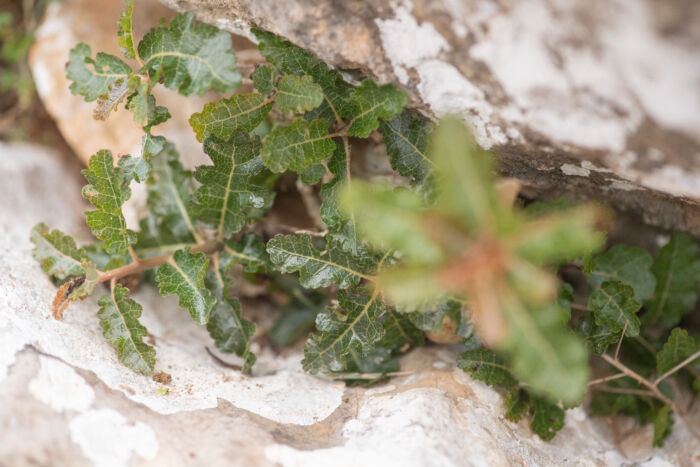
{"points": [[170, 192], [677, 349], [230, 331], [57, 252], [400, 332], [297, 146], [355, 327], [614, 306], [663, 421], [109, 101], [93, 77], [597, 337], [517, 404], [285, 56], [629, 265], [264, 79], [431, 318], [317, 269], [677, 271], [313, 174], [125, 32], [226, 191], [298, 94], [119, 318], [135, 168], [487, 366], [191, 58], [184, 276], [342, 228], [336, 95], [102, 260], [368, 103], [222, 118], [406, 139], [249, 250], [143, 105], [107, 191], [364, 369], [547, 418], [155, 239]]}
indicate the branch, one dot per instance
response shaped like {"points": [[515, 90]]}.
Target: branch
{"points": [[641, 380], [676, 368]]}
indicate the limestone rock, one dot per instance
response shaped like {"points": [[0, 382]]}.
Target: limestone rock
{"points": [[590, 99], [66, 400]]}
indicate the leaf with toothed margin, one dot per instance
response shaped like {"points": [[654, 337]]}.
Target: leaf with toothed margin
{"points": [[143, 105], [170, 192], [547, 418], [487, 366], [92, 78], [110, 100], [249, 250], [155, 238], [135, 168], [298, 94], [352, 328], [368, 103], [629, 265], [264, 79], [227, 192], [192, 58], [222, 118], [317, 269], [107, 191], [678, 347], [614, 306], [406, 139], [336, 94], [119, 318], [285, 56], [297, 146], [57, 252], [184, 276], [125, 33], [400, 332], [230, 331]]}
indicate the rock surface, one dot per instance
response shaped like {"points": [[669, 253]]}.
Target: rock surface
{"points": [[590, 99], [66, 400]]}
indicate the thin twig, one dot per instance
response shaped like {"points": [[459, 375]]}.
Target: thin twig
{"points": [[606, 379], [576, 306], [676, 368], [619, 342], [636, 392], [641, 380]]}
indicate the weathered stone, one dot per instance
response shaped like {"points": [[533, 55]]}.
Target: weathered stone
{"points": [[595, 100], [66, 400]]}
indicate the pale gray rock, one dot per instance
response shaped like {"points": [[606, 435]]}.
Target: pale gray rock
{"points": [[611, 88], [66, 400]]}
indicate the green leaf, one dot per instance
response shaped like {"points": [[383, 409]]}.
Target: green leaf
{"points": [[487, 366], [400, 331], [297, 317], [107, 191], [336, 95], [230, 331], [170, 192], [406, 139], [368, 103], [317, 269], [614, 306], [184, 275], [155, 239], [125, 32], [57, 252], [517, 404], [354, 327], [542, 208], [677, 271], [92, 78], [135, 168], [142, 103], [298, 94], [249, 250], [663, 421], [109, 101], [343, 227], [222, 118], [313, 174], [285, 56], [629, 265], [677, 349], [368, 368], [432, 318], [297, 146], [191, 58], [597, 337], [119, 318], [547, 419], [264, 79], [226, 191]]}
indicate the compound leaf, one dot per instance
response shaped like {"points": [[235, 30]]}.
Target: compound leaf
{"points": [[317, 269], [57, 252], [191, 58], [353, 328], [222, 118], [184, 276], [298, 94], [677, 271], [614, 306], [107, 191], [227, 192], [119, 318], [368, 103], [92, 78], [297, 146], [406, 139]]}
